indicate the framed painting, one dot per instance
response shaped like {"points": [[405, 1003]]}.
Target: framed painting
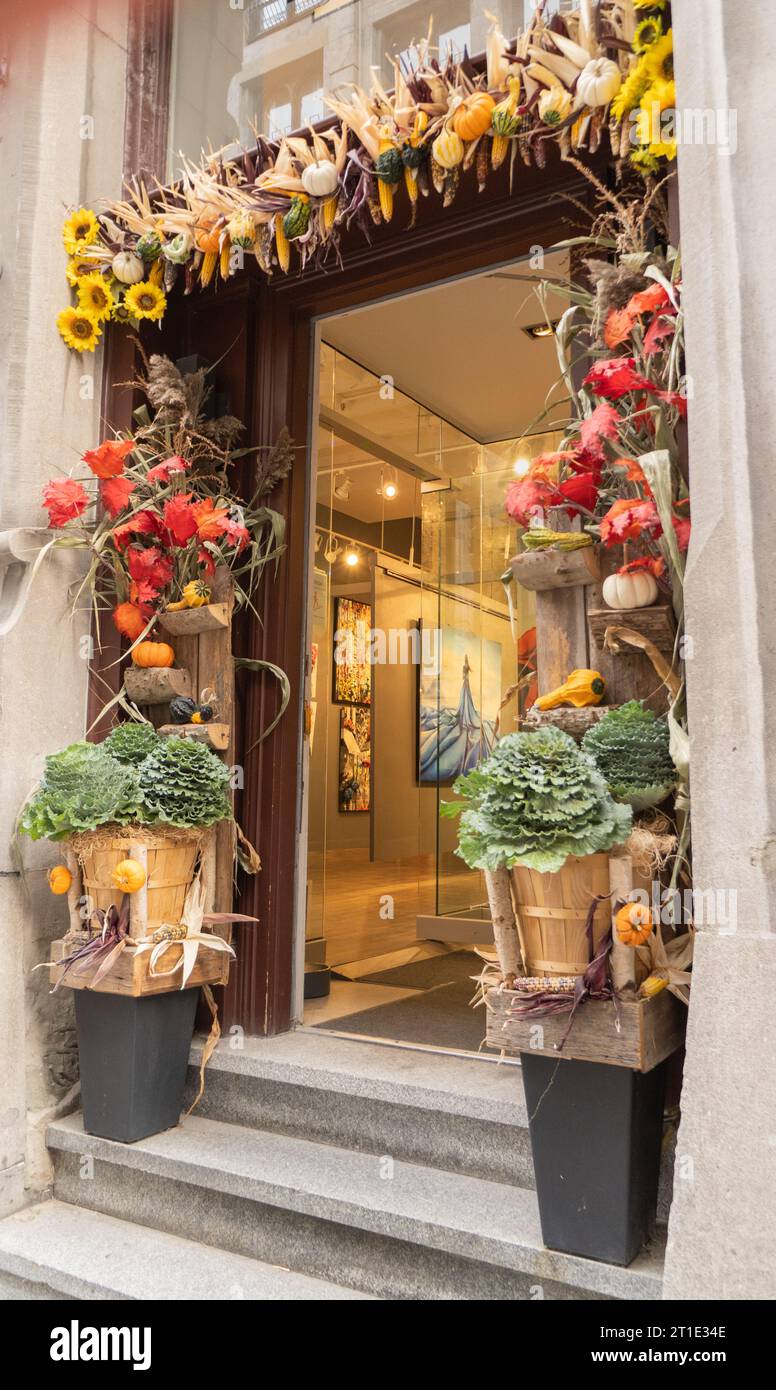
{"points": [[458, 704], [352, 672], [355, 758]]}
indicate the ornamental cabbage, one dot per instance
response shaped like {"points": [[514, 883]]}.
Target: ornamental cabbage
{"points": [[183, 783], [131, 743], [536, 800], [82, 787], [630, 748]]}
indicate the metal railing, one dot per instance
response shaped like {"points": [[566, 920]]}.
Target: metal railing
{"points": [[262, 16]]}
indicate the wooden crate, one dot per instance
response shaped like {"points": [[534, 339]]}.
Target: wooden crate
{"points": [[556, 569], [130, 973], [649, 1030]]}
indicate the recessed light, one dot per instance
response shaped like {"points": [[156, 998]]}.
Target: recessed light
{"points": [[521, 466], [540, 330]]}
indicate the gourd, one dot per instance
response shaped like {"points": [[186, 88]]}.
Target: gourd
{"points": [[472, 118], [320, 179], [179, 249], [389, 168], [582, 688], [59, 879], [182, 708], [147, 654], [195, 595], [505, 122], [633, 924], [447, 149], [149, 247], [241, 229], [652, 986], [635, 590], [207, 233], [296, 220], [598, 82], [128, 268], [128, 876]]}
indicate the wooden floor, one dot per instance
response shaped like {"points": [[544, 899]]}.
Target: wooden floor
{"points": [[367, 909]]}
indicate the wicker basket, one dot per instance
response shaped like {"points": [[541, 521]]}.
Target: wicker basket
{"points": [[170, 861], [552, 910]]}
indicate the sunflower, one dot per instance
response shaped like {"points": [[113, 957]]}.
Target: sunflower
{"points": [[79, 328], [647, 33], [661, 95], [145, 300], [95, 296], [659, 58], [120, 313], [80, 229], [649, 4], [78, 266], [631, 92], [644, 160]]}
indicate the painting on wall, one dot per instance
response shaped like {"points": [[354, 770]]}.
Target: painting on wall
{"points": [[355, 758], [458, 705], [352, 673]]}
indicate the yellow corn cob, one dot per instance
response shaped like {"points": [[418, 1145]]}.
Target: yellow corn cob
{"points": [[207, 269], [226, 247], [282, 244], [156, 272], [385, 190], [652, 986], [411, 184], [498, 150], [330, 212]]}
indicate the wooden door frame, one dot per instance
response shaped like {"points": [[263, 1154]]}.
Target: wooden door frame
{"points": [[278, 320]]}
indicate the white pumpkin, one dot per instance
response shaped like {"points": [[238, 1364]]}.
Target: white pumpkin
{"points": [[635, 590], [128, 268], [320, 179], [598, 82]]}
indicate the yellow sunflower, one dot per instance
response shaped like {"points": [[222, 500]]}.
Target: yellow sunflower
{"points": [[80, 229], [647, 33], [95, 296], [659, 58], [120, 313], [631, 92], [145, 300], [79, 328], [661, 96], [78, 266]]}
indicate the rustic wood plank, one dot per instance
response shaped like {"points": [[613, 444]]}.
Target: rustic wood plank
{"points": [[130, 976], [650, 1030], [216, 672], [156, 685], [217, 736], [655, 622], [539, 570], [192, 622], [575, 722]]}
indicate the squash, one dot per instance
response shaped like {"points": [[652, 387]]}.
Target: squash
{"points": [[128, 268], [598, 82], [207, 231], [633, 924], [129, 876], [149, 247], [652, 986], [147, 654], [389, 169], [582, 688], [195, 595], [182, 708], [505, 121], [242, 229], [636, 590], [320, 179], [447, 149], [59, 879], [296, 220], [555, 105], [178, 250], [472, 118]]}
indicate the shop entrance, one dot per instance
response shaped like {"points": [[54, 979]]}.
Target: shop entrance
{"points": [[428, 405]]}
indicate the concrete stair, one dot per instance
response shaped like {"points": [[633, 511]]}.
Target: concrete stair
{"points": [[315, 1167]]}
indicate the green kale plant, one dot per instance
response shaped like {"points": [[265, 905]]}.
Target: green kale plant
{"points": [[82, 788], [630, 748], [183, 783]]}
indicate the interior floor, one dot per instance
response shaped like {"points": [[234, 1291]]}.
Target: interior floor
{"points": [[425, 1002]]}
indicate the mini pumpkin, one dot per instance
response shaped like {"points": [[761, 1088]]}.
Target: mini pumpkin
{"points": [[207, 232], [320, 179], [128, 268], [472, 118], [148, 654], [59, 879], [633, 924], [636, 590], [598, 82], [128, 876], [448, 149]]}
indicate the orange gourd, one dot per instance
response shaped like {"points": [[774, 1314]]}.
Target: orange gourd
{"points": [[472, 118], [59, 879], [633, 924], [147, 654], [128, 876], [207, 230]]}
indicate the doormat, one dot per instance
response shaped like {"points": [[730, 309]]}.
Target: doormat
{"points": [[440, 1016]]}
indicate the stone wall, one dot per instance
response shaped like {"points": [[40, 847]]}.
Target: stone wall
{"points": [[65, 61]]}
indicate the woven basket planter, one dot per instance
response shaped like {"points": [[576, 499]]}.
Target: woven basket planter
{"points": [[552, 911], [169, 857]]}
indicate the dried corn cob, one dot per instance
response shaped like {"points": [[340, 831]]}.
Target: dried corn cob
{"points": [[226, 251], [542, 538], [411, 184], [451, 185], [282, 244], [482, 164], [438, 175], [330, 212], [207, 269]]}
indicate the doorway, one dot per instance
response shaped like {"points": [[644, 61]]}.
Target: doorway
{"points": [[419, 655]]}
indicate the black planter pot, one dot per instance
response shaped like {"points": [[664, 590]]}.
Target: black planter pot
{"points": [[596, 1135], [133, 1056]]}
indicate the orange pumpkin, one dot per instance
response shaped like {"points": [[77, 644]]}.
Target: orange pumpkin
{"points": [[128, 876], [633, 924], [207, 230], [59, 879], [472, 118], [153, 654]]}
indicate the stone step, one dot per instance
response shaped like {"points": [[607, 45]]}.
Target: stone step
{"points": [[392, 1229], [57, 1251], [465, 1114]]}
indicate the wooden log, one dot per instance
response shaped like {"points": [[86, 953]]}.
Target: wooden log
{"points": [[638, 1033], [75, 893], [156, 685], [130, 974], [575, 722], [191, 622], [216, 672], [138, 902], [504, 924], [623, 958], [656, 622], [556, 569], [217, 736]]}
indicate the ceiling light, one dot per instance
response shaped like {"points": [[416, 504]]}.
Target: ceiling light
{"points": [[341, 486], [540, 330], [390, 490], [351, 558], [521, 466]]}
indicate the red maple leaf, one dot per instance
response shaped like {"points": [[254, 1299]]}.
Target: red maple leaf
{"points": [[162, 472], [616, 377], [142, 523], [647, 301], [206, 560], [527, 497], [602, 424], [65, 500], [151, 569], [115, 493], [211, 520], [654, 564], [661, 327], [627, 519], [107, 461], [618, 328], [180, 521]]}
